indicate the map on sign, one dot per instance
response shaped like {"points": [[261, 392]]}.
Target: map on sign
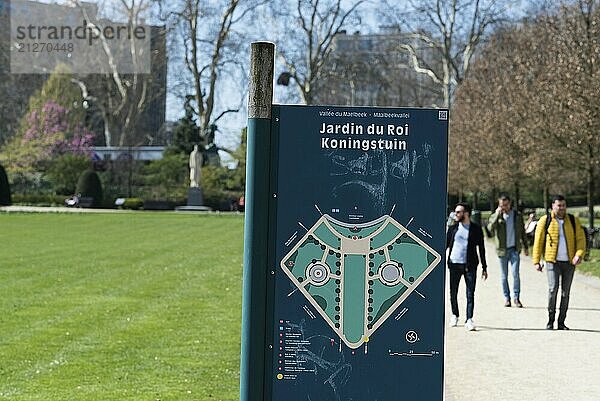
{"points": [[356, 275]]}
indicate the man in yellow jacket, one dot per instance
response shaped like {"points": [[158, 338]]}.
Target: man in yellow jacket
{"points": [[562, 247]]}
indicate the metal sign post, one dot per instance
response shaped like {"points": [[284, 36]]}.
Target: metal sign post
{"points": [[343, 269], [256, 229]]}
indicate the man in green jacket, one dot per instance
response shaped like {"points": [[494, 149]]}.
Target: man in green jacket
{"points": [[506, 226]]}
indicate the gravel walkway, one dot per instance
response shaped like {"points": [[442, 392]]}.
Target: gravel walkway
{"points": [[512, 356]]}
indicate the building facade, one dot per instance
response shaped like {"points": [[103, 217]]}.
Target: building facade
{"points": [[372, 70], [103, 97]]}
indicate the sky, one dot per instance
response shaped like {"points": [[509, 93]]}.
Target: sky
{"points": [[230, 94]]}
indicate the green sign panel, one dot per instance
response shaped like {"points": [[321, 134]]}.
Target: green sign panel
{"points": [[357, 234]]}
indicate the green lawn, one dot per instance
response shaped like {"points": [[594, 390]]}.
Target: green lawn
{"points": [[593, 265], [135, 306]]}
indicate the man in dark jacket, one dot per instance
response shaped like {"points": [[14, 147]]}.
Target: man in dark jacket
{"points": [[463, 240]]}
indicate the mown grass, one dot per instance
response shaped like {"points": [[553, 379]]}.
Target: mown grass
{"points": [[593, 265], [135, 306]]}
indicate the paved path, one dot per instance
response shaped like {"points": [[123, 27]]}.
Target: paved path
{"points": [[56, 209], [62, 209], [512, 356]]}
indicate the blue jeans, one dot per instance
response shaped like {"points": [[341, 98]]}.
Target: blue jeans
{"points": [[456, 272], [563, 272], [512, 258]]}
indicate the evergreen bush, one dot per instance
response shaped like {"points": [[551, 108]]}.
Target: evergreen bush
{"points": [[133, 203], [64, 171], [38, 200], [89, 186]]}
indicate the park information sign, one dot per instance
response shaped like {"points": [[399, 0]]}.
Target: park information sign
{"points": [[355, 305]]}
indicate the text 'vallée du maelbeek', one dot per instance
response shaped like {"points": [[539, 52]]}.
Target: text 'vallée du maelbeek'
{"points": [[353, 130]]}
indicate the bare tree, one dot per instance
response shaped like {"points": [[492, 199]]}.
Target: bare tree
{"points": [[212, 44], [537, 96], [575, 34], [492, 113], [305, 51], [535, 85], [121, 100], [452, 29], [205, 73], [367, 69]]}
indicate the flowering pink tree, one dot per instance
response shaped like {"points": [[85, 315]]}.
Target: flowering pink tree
{"points": [[48, 134], [50, 129]]}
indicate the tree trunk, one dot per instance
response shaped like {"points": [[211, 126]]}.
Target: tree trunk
{"points": [[545, 198], [590, 195], [493, 199], [107, 130]]}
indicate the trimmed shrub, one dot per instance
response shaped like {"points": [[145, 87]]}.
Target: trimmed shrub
{"points": [[64, 171], [151, 204], [4, 188], [221, 200], [89, 186], [132, 203], [165, 179], [38, 200]]}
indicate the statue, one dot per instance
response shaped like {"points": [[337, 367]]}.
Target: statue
{"points": [[195, 166]]}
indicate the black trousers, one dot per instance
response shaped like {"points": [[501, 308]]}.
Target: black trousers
{"points": [[458, 270]]}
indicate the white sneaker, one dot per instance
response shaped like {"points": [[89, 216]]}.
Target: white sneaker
{"points": [[453, 321], [469, 325]]}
